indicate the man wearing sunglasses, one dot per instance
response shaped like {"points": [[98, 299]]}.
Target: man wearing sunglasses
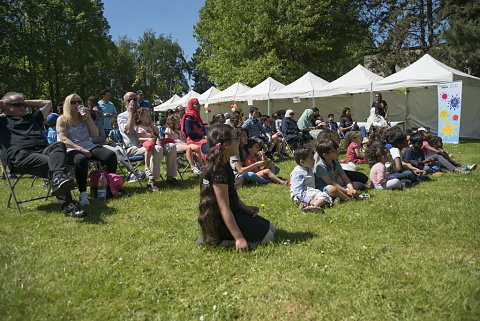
{"points": [[28, 151], [126, 124]]}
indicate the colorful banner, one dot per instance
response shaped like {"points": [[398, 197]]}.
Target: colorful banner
{"points": [[449, 110]]}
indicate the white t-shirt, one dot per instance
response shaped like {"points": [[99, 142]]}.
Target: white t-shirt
{"points": [[395, 152]]}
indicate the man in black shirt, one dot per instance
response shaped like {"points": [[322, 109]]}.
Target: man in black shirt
{"points": [[28, 151]]}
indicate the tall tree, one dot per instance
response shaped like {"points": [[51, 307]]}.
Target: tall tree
{"points": [[161, 66], [200, 80], [403, 31], [52, 48], [249, 40], [462, 36]]}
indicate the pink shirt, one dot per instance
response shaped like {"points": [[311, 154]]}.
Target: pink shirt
{"points": [[378, 174], [178, 139], [425, 151]]}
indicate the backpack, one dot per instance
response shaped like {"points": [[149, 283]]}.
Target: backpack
{"points": [[114, 182]]}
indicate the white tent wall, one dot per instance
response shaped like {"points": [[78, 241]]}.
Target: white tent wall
{"points": [[397, 105], [422, 105]]}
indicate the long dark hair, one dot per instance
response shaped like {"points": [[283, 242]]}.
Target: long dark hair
{"points": [[344, 113], [209, 216]]}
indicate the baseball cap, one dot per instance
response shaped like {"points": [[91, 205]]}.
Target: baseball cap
{"points": [[139, 92], [52, 119]]}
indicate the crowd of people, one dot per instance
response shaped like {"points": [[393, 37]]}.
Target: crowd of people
{"points": [[233, 150]]}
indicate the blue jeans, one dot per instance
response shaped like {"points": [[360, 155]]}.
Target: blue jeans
{"points": [[406, 174], [253, 177], [362, 131]]}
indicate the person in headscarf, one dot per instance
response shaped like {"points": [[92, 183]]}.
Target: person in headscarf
{"points": [[304, 122], [292, 134], [192, 126]]}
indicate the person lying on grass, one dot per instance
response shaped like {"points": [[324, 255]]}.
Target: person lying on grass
{"points": [[303, 191], [330, 177], [439, 154], [224, 219]]}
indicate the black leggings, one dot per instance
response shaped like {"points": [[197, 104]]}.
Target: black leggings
{"points": [[80, 161]]}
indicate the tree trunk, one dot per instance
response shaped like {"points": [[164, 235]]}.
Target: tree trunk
{"points": [[423, 33], [430, 22]]}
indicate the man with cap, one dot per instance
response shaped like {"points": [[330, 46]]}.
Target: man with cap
{"points": [[143, 102]]}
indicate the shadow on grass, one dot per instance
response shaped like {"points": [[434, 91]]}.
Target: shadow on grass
{"points": [[283, 236], [95, 211]]}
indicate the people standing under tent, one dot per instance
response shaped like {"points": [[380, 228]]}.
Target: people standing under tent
{"points": [[380, 105]]}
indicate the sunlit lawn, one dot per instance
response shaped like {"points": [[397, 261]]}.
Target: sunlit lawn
{"points": [[411, 254]]}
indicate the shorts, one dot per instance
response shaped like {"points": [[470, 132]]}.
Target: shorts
{"points": [[315, 194], [325, 188]]}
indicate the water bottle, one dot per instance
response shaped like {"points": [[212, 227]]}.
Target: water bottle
{"points": [[102, 187]]}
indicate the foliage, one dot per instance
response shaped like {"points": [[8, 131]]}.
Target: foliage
{"points": [[411, 254], [200, 80], [160, 66], [403, 31], [55, 47], [462, 35], [250, 40]]}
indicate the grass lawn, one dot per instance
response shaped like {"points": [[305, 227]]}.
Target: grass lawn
{"points": [[412, 254]]}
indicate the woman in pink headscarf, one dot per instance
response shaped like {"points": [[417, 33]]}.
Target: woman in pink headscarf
{"points": [[192, 126]]}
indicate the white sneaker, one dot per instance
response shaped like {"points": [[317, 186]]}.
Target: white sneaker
{"points": [[148, 173], [196, 171], [84, 199]]}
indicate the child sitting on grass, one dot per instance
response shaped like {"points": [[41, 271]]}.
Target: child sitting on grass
{"points": [[147, 136], [224, 218], [379, 154], [353, 141], [415, 155], [302, 178], [330, 177], [255, 155], [401, 169]]}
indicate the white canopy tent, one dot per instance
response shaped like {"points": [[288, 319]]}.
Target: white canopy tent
{"points": [[221, 102], [184, 100], [262, 91], [163, 107], [212, 91], [417, 90]]}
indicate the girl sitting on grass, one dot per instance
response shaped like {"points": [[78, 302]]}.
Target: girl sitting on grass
{"points": [[353, 141], [193, 151], [379, 154], [223, 217], [254, 155]]}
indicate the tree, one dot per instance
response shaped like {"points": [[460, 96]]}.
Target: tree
{"points": [[200, 80], [250, 40], [161, 66], [403, 31], [55, 47], [462, 35]]}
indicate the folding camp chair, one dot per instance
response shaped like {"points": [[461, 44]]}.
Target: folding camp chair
{"points": [[17, 179]]}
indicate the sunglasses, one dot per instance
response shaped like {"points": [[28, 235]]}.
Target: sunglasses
{"points": [[16, 105], [134, 99], [75, 102]]}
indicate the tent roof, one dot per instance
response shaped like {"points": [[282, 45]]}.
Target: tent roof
{"points": [[357, 80], [261, 91], [182, 101], [303, 87], [229, 94], [426, 71], [212, 91], [170, 101]]}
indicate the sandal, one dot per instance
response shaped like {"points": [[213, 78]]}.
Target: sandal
{"points": [[73, 210], [151, 186], [363, 197], [313, 209]]}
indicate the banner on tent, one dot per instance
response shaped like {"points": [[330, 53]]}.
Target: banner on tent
{"points": [[449, 111]]}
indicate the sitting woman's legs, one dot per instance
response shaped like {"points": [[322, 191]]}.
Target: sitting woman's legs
{"points": [[105, 156], [253, 177], [80, 162]]}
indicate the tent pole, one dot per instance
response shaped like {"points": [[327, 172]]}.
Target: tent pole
{"points": [[371, 94], [268, 112]]}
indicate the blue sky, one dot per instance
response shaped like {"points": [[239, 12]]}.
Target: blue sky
{"points": [[175, 18]]}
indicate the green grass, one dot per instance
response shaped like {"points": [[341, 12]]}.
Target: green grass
{"points": [[411, 254]]}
